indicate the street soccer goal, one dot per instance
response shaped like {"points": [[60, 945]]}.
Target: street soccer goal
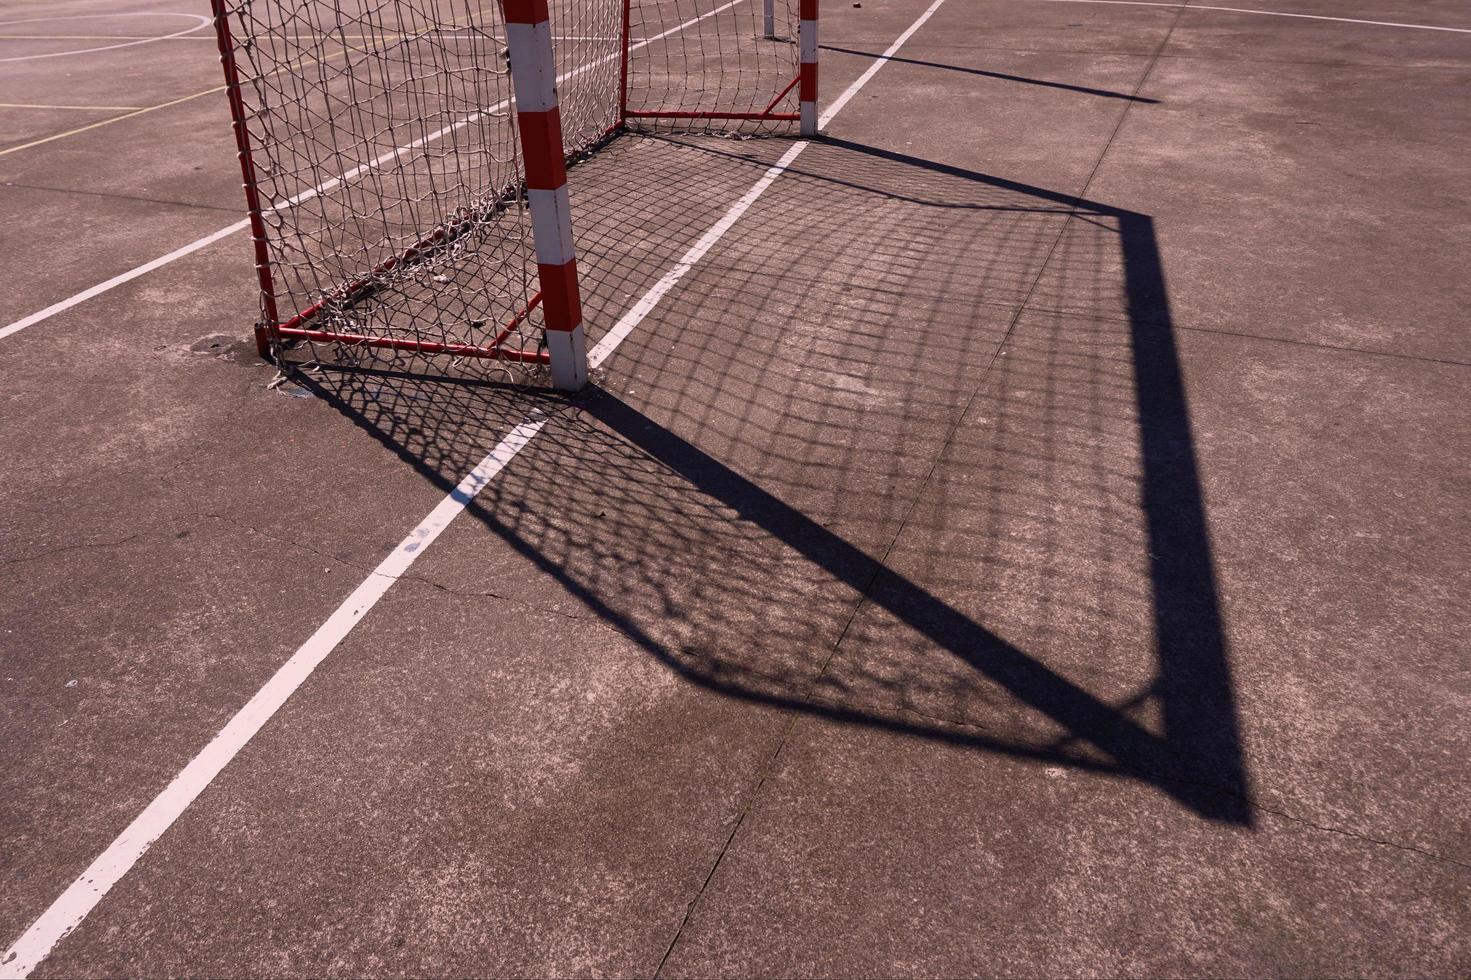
{"points": [[405, 161]]}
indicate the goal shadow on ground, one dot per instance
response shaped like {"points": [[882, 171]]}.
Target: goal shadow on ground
{"points": [[836, 471], [1001, 75]]}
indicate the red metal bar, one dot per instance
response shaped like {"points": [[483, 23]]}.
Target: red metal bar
{"points": [[782, 116], [420, 346], [358, 285], [623, 67], [782, 95], [440, 236], [516, 321], [247, 174], [293, 326]]}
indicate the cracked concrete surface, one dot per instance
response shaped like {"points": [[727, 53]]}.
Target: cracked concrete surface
{"points": [[1033, 542]]}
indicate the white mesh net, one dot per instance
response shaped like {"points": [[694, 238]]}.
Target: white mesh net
{"points": [[699, 63], [386, 158]]}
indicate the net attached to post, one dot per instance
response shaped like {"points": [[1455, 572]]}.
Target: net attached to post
{"points": [[387, 175], [713, 65]]}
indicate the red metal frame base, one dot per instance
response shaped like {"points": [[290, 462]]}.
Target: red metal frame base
{"points": [[493, 350], [271, 332], [295, 329], [759, 116], [763, 116], [417, 346]]}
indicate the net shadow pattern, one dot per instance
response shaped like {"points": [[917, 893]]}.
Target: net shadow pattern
{"points": [[847, 470]]}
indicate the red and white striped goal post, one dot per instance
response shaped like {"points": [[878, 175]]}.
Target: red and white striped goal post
{"points": [[534, 78], [807, 85]]}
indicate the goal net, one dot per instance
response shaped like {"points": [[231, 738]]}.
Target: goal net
{"points": [[405, 161]]}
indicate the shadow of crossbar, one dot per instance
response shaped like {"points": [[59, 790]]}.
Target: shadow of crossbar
{"points": [[830, 512]]}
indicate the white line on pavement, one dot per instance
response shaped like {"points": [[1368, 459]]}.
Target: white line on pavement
{"points": [[77, 901]]}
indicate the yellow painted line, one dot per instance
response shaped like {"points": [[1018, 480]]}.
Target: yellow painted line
{"points": [[99, 108], [106, 122]]}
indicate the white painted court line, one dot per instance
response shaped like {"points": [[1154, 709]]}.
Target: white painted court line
{"points": [[635, 316], [78, 900], [889, 52], [202, 22], [322, 188], [67, 912], [1269, 13], [90, 108], [626, 324], [118, 280]]}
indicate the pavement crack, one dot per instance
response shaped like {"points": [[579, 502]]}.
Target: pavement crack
{"points": [[288, 542], [523, 603], [1059, 758], [689, 909], [1358, 835], [64, 549], [115, 196], [423, 580]]}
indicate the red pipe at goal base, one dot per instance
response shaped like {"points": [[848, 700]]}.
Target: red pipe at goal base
{"points": [[417, 346], [543, 186], [247, 174], [774, 116]]}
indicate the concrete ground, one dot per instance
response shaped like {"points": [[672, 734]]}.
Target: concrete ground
{"points": [[1034, 541]]}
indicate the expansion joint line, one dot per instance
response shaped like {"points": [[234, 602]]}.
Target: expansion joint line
{"points": [[768, 765]]}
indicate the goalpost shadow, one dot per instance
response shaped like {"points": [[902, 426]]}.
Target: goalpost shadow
{"points": [[691, 503]]}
